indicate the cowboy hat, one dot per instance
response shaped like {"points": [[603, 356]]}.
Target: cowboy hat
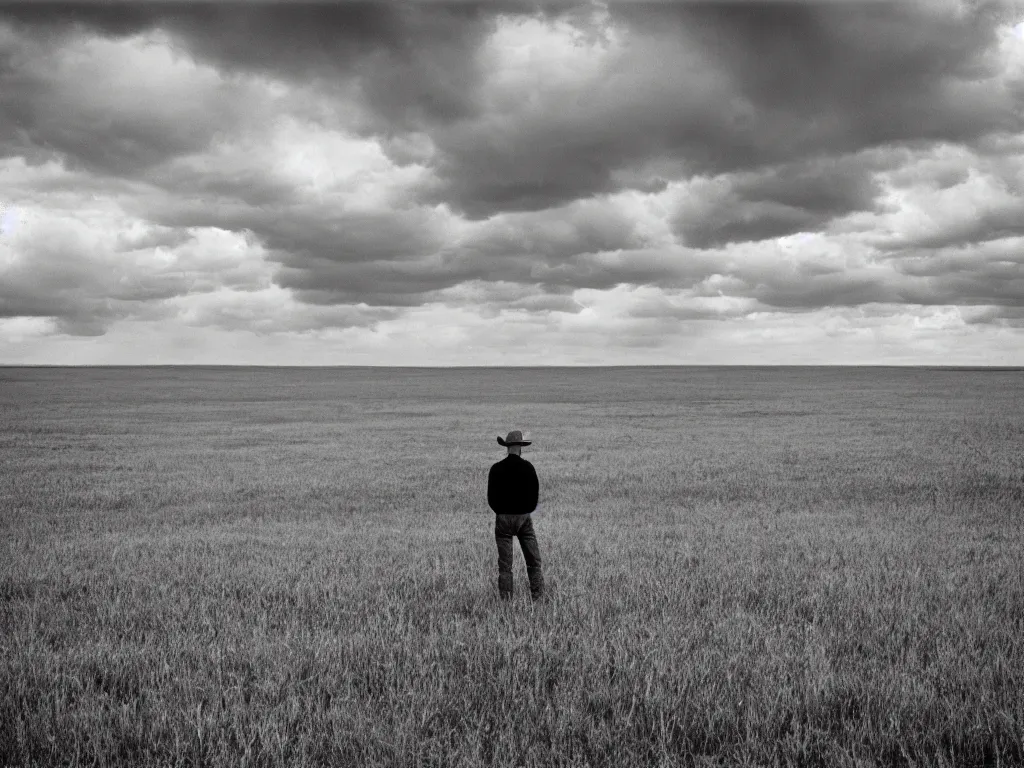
{"points": [[515, 437]]}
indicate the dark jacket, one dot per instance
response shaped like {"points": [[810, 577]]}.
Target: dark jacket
{"points": [[512, 486]]}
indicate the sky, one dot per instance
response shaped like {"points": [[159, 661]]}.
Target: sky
{"points": [[512, 183]]}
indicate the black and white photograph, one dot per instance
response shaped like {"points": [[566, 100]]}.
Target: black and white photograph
{"points": [[512, 383]]}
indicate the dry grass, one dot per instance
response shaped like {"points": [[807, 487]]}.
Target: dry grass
{"points": [[287, 567]]}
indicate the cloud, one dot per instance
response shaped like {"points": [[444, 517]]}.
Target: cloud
{"points": [[90, 270], [8, 219], [271, 310], [988, 274], [977, 198], [409, 62], [336, 245], [711, 88], [117, 107], [802, 196], [142, 236], [61, 272], [620, 173], [809, 272], [531, 109]]}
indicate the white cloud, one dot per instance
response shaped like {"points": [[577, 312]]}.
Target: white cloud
{"points": [[8, 219], [17, 330], [950, 195], [528, 60]]}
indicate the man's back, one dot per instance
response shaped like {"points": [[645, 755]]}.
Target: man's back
{"points": [[512, 486]]}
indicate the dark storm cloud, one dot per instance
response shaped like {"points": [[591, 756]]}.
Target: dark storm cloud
{"points": [[61, 101], [59, 278], [231, 191], [800, 196], [826, 60], [718, 86], [555, 235], [988, 274], [411, 62], [412, 282], [295, 39], [1012, 317], [402, 256], [310, 234], [404, 284], [803, 292], [725, 86], [154, 237]]}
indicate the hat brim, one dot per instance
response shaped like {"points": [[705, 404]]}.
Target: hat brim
{"points": [[503, 444]]}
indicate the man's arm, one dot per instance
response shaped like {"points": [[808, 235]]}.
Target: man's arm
{"points": [[492, 490], [532, 489]]}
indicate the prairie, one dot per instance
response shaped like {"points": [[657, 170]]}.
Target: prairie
{"points": [[746, 566]]}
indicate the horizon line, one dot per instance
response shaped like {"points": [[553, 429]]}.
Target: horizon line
{"points": [[947, 366]]}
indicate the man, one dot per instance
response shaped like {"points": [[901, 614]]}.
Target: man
{"points": [[512, 490]]}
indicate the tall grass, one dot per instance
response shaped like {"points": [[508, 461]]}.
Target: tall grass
{"points": [[297, 567]]}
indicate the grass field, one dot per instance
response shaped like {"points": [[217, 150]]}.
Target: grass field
{"points": [[297, 567]]}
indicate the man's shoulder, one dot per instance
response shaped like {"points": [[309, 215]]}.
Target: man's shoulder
{"points": [[525, 465], [512, 461]]}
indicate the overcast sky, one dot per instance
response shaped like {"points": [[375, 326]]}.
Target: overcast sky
{"points": [[512, 183]]}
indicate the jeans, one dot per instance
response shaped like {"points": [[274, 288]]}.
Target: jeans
{"points": [[519, 526]]}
